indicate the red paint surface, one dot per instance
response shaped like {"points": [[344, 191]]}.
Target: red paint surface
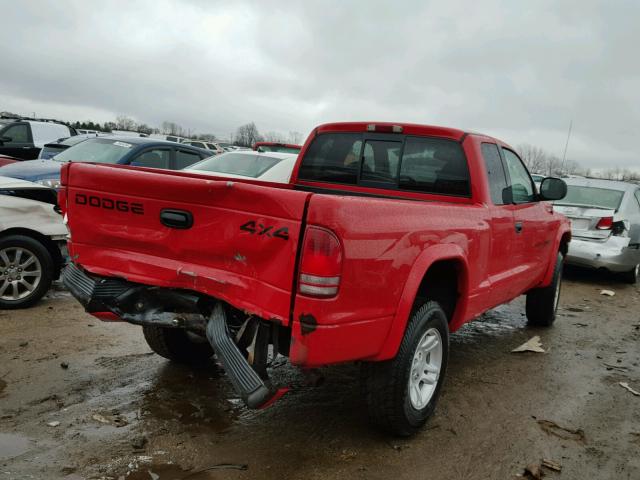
{"points": [[388, 244]]}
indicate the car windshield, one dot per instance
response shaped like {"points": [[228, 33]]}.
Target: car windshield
{"points": [[237, 164], [278, 148], [96, 150], [592, 197]]}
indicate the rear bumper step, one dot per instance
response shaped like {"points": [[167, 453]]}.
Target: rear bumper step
{"points": [[164, 307], [253, 390]]}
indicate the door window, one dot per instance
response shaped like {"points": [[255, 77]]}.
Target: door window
{"points": [[17, 134], [155, 158], [495, 172], [521, 184], [184, 159]]}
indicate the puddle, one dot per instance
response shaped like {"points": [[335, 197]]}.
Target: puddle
{"points": [[157, 472], [174, 472], [12, 445], [190, 398]]}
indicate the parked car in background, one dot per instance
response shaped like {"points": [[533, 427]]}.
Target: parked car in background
{"points": [[24, 138], [89, 132], [227, 146], [605, 225], [135, 151], [168, 138], [537, 179], [276, 147], [32, 242], [269, 167], [50, 150], [6, 160], [212, 146]]}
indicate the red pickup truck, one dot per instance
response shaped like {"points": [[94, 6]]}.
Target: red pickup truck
{"points": [[387, 238]]}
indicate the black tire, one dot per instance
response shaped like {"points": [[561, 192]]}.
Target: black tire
{"points": [[542, 303], [387, 383], [631, 277], [177, 345], [47, 268]]}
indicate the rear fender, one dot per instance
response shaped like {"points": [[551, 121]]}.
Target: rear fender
{"points": [[421, 266]]}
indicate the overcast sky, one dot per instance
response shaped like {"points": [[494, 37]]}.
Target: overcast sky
{"points": [[518, 72]]}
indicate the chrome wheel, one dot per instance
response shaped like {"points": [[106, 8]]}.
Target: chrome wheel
{"points": [[425, 369], [20, 273]]}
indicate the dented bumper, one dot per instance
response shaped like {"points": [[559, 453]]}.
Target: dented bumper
{"points": [[614, 254]]}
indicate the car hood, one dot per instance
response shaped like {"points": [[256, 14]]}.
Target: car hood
{"points": [[13, 183], [32, 170]]}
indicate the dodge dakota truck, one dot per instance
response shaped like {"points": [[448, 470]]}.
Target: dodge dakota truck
{"points": [[388, 238]]}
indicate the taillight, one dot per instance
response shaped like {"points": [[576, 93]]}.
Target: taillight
{"points": [[321, 263], [605, 223]]}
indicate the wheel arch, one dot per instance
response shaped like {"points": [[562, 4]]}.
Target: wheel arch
{"points": [[436, 272], [561, 245]]}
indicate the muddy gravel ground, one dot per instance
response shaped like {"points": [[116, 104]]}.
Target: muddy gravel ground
{"points": [[82, 399]]}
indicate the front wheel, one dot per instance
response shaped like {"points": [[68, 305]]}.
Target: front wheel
{"points": [[542, 303], [402, 392]]}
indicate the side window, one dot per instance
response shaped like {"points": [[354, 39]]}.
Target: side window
{"points": [[380, 162], [155, 158], [17, 134], [333, 158], [434, 165], [495, 172], [184, 159], [521, 183]]}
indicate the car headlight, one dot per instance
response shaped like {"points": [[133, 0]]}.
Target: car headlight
{"points": [[49, 182]]}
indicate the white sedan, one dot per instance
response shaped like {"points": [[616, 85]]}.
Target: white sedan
{"points": [[32, 242], [269, 166]]}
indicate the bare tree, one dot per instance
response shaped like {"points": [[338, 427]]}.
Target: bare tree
{"points": [[247, 135], [274, 137], [125, 123], [535, 158], [295, 138], [172, 128]]}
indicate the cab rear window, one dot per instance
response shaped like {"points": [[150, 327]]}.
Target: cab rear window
{"points": [[419, 164]]}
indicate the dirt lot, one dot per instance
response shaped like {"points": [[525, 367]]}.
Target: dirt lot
{"points": [[81, 399]]}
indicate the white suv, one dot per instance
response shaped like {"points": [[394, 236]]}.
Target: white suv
{"points": [[24, 138]]}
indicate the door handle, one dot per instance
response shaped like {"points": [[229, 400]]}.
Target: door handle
{"points": [[518, 227], [180, 219]]}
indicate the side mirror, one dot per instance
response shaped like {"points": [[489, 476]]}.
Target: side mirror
{"points": [[5, 139], [553, 189]]}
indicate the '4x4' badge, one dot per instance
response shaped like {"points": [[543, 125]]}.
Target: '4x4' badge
{"points": [[265, 230]]}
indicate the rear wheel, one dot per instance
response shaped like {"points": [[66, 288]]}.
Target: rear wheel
{"points": [[632, 275], [177, 345], [542, 303], [402, 392], [26, 271]]}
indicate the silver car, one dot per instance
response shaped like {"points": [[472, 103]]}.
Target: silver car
{"points": [[605, 225]]}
